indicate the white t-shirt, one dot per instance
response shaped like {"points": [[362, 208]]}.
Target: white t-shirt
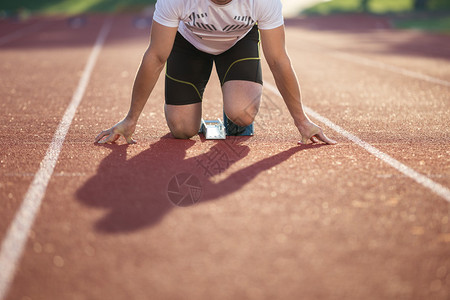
{"points": [[214, 28]]}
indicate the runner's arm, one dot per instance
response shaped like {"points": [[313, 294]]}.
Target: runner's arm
{"points": [[153, 62], [273, 44], [155, 57]]}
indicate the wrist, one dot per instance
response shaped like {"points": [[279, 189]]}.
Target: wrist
{"points": [[131, 118], [301, 121]]}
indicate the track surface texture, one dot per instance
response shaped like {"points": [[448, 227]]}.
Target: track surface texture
{"points": [[272, 219]]}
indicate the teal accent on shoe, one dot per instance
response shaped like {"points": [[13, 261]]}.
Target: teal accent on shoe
{"points": [[236, 130]]}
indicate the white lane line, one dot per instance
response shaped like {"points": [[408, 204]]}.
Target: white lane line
{"points": [[16, 237], [22, 32], [372, 63], [405, 170]]}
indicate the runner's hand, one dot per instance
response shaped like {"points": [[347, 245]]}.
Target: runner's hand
{"points": [[311, 131], [124, 128]]}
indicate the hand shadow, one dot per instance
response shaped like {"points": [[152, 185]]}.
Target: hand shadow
{"points": [[138, 192]]}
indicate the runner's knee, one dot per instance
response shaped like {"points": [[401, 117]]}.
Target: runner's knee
{"points": [[183, 120], [242, 113], [241, 118], [183, 128], [183, 132]]}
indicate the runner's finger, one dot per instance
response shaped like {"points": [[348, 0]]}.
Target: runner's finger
{"points": [[130, 140], [314, 139], [116, 137], [101, 135], [321, 136], [304, 140], [109, 139]]}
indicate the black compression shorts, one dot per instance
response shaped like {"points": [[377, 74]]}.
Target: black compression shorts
{"points": [[188, 69]]}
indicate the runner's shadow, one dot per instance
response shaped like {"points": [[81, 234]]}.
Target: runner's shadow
{"points": [[139, 191]]}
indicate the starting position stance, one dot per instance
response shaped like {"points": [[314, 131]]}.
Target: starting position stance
{"points": [[189, 35]]}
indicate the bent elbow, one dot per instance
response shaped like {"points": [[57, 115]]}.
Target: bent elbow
{"points": [[281, 62], [155, 59]]}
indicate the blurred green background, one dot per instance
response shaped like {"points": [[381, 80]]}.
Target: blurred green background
{"points": [[379, 6], [431, 15], [428, 15], [326, 7], [72, 7]]}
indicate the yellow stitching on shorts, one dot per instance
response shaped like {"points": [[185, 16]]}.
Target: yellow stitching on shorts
{"points": [[185, 82], [239, 60], [243, 59]]}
